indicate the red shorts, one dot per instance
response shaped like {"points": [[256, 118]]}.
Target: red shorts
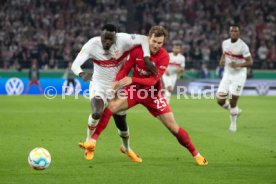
{"points": [[34, 82], [156, 104]]}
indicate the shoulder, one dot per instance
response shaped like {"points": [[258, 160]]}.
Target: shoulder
{"points": [[123, 36], [163, 56], [242, 43], [137, 50], [181, 56], [227, 41], [93, 41], [163, 53]]}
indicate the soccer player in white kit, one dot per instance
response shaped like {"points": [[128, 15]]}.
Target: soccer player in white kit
{"points": [[108, 52], [235, 58], [176, 65]]}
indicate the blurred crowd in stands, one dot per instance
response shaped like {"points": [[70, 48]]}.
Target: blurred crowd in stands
{"points": [[53, 31]]}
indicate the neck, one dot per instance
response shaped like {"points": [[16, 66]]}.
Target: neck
{"points": [[234, 40]]}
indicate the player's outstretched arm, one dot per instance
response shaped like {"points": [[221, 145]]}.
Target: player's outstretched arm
{"points": [[136, 39], [78, 62]]}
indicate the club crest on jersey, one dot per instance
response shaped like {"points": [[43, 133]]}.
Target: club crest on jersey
{"points": [[116, 52]]}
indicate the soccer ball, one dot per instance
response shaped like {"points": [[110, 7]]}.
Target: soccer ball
{"points": [[39, 158]]}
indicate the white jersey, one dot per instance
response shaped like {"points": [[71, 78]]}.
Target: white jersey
{"points": [[235, 52], [108, 63], [176, 62]]}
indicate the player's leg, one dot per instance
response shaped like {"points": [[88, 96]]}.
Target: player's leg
{"points": [[222, 93], [28, 87], [97, 101], [114, 106], [182, 136], [168, 86], [235, 92], [159, 108], [97, 106], [39, 86], [123, 130], [74, 85], [67, 86]]}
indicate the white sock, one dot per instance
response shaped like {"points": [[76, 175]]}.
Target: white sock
{"points": [[125, 139], [234, 114], [91, 128], [168, 96]]}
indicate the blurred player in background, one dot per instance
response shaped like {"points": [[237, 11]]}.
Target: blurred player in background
{"points": [[34, 77], [145, 84], [176, 66], [235, 58], [69, 75], [108, 52]]}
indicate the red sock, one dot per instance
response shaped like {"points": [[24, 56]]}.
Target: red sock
{"points": [[184, 139], [102, 123]]}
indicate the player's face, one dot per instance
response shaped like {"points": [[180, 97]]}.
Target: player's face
{"points": [[107, 39], [176, 49], [234, 33], [156, 43]]}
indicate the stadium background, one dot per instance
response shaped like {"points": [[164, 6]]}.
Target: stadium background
{"points": [[52, 32]]}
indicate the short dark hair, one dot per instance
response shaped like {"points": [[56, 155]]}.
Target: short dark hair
{"points": [[177, 43], [158, 31], [234, 25], [109, 27]]}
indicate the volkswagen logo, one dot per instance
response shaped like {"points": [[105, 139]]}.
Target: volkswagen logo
{"points": [[14, 86]]}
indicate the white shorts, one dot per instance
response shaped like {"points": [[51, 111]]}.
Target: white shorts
{"points": [[232, 84], [103, 91], [169, 81]]}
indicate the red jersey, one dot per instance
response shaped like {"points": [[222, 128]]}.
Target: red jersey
{"points": [[141, 77]]}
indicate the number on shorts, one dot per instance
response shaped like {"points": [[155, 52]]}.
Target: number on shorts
{"points": [[160, 103]]}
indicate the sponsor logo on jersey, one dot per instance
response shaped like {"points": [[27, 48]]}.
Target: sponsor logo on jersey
{"points": [[142, 71], [162, 67]]}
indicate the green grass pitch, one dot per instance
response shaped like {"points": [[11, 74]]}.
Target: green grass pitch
{"points": [[247, 156]]}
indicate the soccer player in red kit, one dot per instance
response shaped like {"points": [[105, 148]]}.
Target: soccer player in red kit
{"points": [[146, 89]]}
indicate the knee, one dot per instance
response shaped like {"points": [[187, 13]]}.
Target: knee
{"points": [[173, 127], [233, 103], [221, 102], [96, 115]]}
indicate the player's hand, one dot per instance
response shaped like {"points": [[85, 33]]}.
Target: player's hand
{"points": [[124, 82], [221, 63], [115, 85], [150, 66], [167, 73], [234, 65], [169, 88], [179, 70], [85, 76]]}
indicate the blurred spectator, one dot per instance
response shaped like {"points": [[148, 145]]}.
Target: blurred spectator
{"points": [[249, 73], [219, 71], [70, 76], [34, 77], [263, 55], [272, 57], [203, 72], [56, 29]]}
